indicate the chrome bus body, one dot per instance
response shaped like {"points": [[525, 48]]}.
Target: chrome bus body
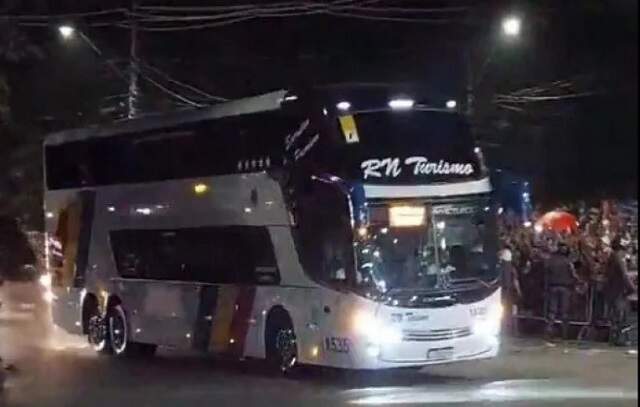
{"points": [[334, 327]]}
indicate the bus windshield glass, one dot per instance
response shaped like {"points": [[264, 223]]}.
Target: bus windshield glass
{"points": [[446, 246]]}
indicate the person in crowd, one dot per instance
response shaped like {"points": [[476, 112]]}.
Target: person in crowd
{"points": [[617, 287], [561, 278], [511, 290]]}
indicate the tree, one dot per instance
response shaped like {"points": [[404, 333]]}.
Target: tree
{"points": [[20, 153]]}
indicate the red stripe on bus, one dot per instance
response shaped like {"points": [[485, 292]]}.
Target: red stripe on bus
{"points": [[240, 322]]}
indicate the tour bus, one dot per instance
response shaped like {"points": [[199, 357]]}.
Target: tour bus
{"points": [[298, 227]]}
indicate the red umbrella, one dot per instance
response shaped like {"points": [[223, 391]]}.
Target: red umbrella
{"points": [[559, 221]]}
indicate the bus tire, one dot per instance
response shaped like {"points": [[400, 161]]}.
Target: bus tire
{"points": [[119, 330], [280, 342], [97, 330]]}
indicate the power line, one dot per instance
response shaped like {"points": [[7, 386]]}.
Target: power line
{"points": [[182, 84], [168, 91], [63, 16]]}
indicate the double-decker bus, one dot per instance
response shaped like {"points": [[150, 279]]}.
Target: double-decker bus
{"points": [[303, 228]]}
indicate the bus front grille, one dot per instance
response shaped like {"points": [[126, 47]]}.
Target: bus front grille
{"points": [[435, 334]]}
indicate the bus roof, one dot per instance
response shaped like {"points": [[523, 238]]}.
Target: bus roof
{"points": [[254, 104]]}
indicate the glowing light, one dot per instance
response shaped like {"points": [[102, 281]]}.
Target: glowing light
{"points": [[291, 98], [200, 188], [451, 104], [188, 336], [111, 208], [376, 253], [362, 231], [366, 324], [344, 105], [49, 215], [247, 210], [500, 210], [527, 224], [405, 216], [49, 296], [511, 26], [384, 231], [232, 341], [395, 241], [45, 280], [440, 225], [477, 150], [66, 31], [401, 104], [144, 211], [315, 350], [538, 228]]}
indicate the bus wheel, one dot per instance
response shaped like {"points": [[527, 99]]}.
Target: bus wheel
{"points": [[97, 331], [281, 343], [118, 330]]}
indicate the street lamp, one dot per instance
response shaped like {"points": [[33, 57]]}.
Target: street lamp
{"points": [[66, 31], [511, 26]]}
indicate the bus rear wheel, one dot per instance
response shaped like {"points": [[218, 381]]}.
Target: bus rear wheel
{"points": [[97, 329], [119, 335], [281, 343]]}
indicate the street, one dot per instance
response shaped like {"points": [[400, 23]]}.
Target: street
{"points": [[55, 369]]}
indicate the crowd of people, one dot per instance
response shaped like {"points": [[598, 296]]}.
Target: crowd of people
{"points": [[587, 273]]}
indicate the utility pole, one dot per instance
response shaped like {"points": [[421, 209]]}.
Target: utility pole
{"points": [[133, 65], [469, 88]]}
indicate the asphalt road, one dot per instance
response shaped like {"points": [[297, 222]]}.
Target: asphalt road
{"points": [[54, 369]]}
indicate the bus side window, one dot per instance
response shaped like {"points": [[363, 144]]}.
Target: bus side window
{"points": [[216, 255]]}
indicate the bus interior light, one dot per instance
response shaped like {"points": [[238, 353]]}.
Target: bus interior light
{"points": [[406, 216]]}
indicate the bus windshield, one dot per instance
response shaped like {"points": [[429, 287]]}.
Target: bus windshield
{"points": [[453, 245]]}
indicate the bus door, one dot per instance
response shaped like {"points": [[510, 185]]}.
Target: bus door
{"points": [[69, 255]]}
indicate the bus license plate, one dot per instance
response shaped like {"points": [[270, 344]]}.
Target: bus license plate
{"points": [[440, 354]]}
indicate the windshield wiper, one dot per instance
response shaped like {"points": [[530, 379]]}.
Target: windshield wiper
{"points": [[459, 281]]}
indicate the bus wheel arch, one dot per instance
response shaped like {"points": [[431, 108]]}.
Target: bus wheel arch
{"points": [[281, 347]]}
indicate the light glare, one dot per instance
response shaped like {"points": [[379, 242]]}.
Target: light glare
{"points": [[511, 26], [344, 105], [451, 104], [200, 188], [66, 31], [401, 104]]}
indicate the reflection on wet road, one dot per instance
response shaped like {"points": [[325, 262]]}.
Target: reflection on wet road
{"points": [[55, 369]]}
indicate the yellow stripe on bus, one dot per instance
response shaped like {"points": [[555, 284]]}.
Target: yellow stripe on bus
{"points": [[223, 316]]}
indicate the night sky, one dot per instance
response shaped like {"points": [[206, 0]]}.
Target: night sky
{"points": [[575, 147]]}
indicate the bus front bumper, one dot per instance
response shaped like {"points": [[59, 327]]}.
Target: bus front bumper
{"points": [[415, 353]]}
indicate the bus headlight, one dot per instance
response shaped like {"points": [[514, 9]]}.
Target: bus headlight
{"points": [[367, 325], [490, 323]]}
